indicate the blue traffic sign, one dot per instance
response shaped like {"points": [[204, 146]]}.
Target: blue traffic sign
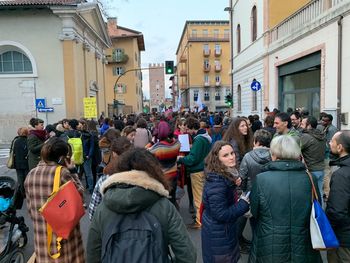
{"points": [[255, 86], [40, 103], [45, 109]]}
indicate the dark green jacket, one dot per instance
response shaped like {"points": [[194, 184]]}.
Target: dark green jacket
{"points": [[194, 161], [281, 205], [313, 146], [130, 192]]}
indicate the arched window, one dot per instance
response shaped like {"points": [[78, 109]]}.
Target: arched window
{"points": [[14, 62], [239, 98], [238, 38], [254, 23]]}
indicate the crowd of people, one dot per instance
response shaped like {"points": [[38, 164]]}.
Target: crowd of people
{"points": [[237, 169]]}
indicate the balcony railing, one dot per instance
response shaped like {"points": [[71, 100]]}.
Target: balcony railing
{"points": [[218, 52], [120, 58], [303, 16], [183, 59], [206, 68], [206, 84], [183, 73], [208, 37], [218, 83], [217, 68], [206, 52]]}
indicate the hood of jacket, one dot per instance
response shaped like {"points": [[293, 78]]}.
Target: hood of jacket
{"points": [[73, 134], [131, 192], [342, 161], [285, 165], [261, 155], [317, 134], [203, 133]]}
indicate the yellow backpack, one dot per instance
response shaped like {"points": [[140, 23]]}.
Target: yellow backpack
{"points": [[77, 150]]}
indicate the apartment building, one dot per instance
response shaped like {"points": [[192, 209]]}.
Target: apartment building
{"points": [[123, 75], [203, 64]]}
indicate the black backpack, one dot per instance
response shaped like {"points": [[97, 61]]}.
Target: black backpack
{"points": [[134, 238]]}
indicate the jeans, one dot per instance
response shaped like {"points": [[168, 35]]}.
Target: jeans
{"points": [[319, 176], [88, 175]]}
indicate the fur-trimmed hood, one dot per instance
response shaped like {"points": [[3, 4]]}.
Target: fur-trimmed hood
{"points": [[132, 191]]}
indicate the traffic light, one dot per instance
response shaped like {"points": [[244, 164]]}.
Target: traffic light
{"points": [[169, 67], [228, 100]]}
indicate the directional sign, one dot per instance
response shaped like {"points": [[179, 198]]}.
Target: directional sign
{"points": [[45, 109], [255, 86], [40, 103]]}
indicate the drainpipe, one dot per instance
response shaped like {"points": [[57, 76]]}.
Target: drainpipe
{"points": [[339, 77]]}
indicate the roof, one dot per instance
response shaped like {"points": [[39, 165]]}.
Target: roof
{"points": [[38, 2], [118, 32], [200, 22]]}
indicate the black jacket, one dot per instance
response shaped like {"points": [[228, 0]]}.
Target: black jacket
{"points": [[20, 153], [338, 204]]}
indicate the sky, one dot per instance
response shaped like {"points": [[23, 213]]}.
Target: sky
{"points": [[162, 23]]}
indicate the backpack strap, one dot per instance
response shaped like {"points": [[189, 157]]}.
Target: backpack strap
{"points": [[56, 186]]}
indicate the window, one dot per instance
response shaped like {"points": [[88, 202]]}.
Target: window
{"points": [[226, 33], [254, 101], [217, 94], [14, 62], [239, 98], [254, 23], [217, 49], [205, 32], [238, 38], [217, 78], [120, 89], [206, 48], [217, 63], [206, 64], [206, 95], [135, 56], [195, 95], [118, 71], [216, 32], [194, 33], [206, 80]]}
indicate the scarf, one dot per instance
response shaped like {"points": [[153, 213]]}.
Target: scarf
{"points": [[41, 134]]}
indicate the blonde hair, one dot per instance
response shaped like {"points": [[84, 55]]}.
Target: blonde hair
{"points": [[285, 147]]}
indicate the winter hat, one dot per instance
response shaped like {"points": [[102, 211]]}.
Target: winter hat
{"points": [[163, 130]]}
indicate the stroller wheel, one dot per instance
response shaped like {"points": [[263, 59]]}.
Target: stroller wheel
{"points": [[16, 257]]}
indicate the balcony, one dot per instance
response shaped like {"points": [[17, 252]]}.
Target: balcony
{"points": [[209, 37], [206, 84], [183, 73], [301, 18], [206, 52], [119, 58], [206, 68], [218, 68], [183, 59], [206, 98], [218, 83], [218, 52]]}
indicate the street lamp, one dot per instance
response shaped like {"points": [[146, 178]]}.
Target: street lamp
{"points": [[230, 10]]}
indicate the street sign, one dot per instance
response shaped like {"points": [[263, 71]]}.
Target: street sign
{"points": [[255, 86], [40, 103], [45, 109]]}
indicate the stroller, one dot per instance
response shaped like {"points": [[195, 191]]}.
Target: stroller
{"points": [[12, 228]]}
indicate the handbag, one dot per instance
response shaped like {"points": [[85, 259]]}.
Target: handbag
{"points": [[322, 234], [11, 160], [62, 211]]}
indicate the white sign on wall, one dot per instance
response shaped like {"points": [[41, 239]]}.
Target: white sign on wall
{"points": [[57, 101]]}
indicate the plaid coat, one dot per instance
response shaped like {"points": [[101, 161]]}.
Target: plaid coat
{"points": [[38, 186]]}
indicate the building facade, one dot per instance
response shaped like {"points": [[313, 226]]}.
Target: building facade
{"points": [[124, 64], [156, 87], [52, 51], [203, 64]]}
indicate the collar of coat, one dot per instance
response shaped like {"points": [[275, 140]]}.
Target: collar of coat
{"points": [[135, 178]]}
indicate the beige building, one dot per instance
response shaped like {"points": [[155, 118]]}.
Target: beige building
{"points": [[54, 52], [124, 80], [156, 86], [203, 64]]}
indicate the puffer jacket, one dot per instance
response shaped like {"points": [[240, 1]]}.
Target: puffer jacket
{"points": [[219, 238], [281, 205], [132, 192], [252, 164], [338, 204], [313, 141]]}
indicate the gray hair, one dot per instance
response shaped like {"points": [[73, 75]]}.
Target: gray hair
{"points": [[285, 147]]}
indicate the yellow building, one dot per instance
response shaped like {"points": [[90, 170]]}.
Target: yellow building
{"points": [[123, 58], [203, 64]]}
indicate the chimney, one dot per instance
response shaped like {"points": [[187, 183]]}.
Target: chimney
{"points": [[112, 22]]}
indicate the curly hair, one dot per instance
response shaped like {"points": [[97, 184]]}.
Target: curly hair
{"points": [[244, 142], [212, 162], [142, 160]]}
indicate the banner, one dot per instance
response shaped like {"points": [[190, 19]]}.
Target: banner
{"points": [[90, 108]]}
